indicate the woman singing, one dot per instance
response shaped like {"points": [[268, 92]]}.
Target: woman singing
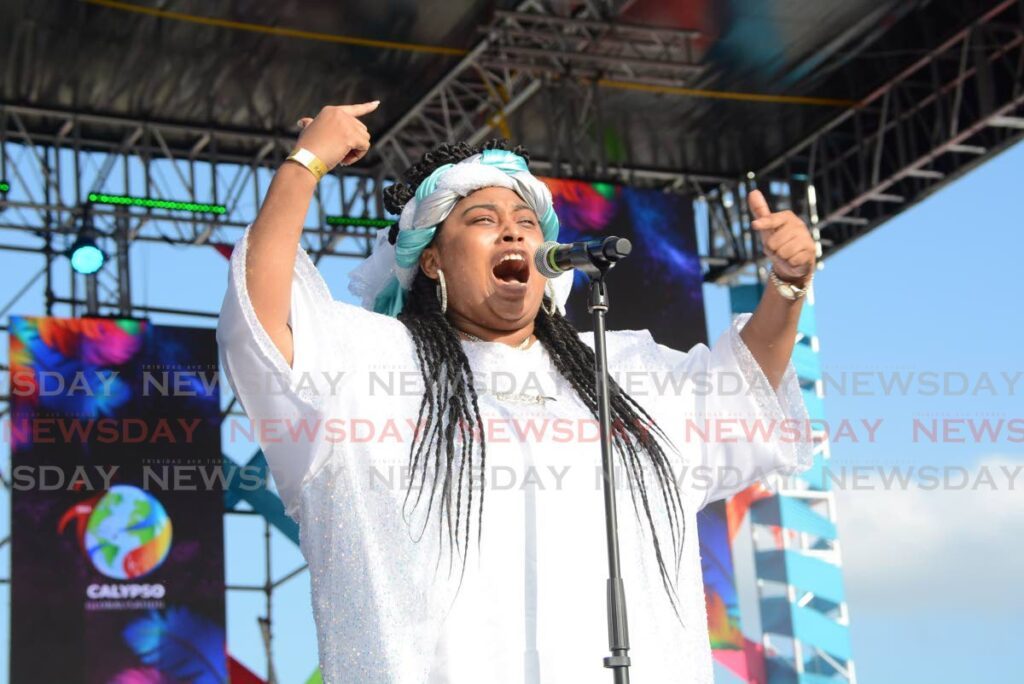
{"points": [[454, 525]]}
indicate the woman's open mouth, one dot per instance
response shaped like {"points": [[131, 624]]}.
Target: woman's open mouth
{"points": [[512, 270]]}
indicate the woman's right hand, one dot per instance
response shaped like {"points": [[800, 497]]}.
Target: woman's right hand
{"points": [[336, 135]]}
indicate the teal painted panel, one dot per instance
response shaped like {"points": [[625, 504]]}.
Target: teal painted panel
{"points": [[815, 475], [797, 515], [806, 361], [744, 298], [806, 573], [257, 465], [815, 629], [823, 605], [807, 325], [263, 501], [792, 513], [816, 666], [809, 678], [766, 511], [776, 617], [268, 504], [780, 671], [771, 565]]}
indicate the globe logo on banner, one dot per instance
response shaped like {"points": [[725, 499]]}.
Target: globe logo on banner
{"points": [[125, 532]]}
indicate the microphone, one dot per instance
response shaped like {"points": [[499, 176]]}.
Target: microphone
{"points": [[552, 258]]}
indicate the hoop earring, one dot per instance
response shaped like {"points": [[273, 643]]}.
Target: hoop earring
{"points": [[442, 291], [549, 290]]}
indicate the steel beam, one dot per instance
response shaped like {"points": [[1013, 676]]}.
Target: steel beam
{"points": [[520, 51]]}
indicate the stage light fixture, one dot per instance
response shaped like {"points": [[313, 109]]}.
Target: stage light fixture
{"points": [[86, 257], [152, 203], [352, 221]]}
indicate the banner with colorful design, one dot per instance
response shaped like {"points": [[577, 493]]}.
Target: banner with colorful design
{"points": [[117, 536], [659, 287]]}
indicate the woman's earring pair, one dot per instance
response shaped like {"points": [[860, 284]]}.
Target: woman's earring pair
{"points": [[442, 295]]}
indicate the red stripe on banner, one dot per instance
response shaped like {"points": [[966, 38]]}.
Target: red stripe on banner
{"points": [[240, 674]]}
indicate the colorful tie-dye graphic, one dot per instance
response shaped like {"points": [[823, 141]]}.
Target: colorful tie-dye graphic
{"points": [[659, 287], [719, 578], [53, 354], [717, 527]]}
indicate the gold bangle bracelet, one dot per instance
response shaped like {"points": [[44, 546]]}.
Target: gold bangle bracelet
{"points": [[310, 161]]}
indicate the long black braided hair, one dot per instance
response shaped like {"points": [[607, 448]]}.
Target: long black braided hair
{"points": [[450, 410]]}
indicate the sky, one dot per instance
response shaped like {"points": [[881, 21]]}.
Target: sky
{"points": [[932, 574]]}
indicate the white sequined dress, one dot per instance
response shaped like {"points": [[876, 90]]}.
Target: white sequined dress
{"points": [[531, 607]]}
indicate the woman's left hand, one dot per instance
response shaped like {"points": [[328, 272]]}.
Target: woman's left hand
{"points": [[787, 241]]}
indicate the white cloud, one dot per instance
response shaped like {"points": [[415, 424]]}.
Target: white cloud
{"points": [[912, 550]]}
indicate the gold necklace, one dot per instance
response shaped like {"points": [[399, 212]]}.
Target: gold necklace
{"points": [[522, 345]]}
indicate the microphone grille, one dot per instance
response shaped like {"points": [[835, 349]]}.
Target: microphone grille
{"points": [[540, 260]]}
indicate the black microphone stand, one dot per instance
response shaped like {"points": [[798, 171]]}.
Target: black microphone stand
{"points": [[596, 261]]}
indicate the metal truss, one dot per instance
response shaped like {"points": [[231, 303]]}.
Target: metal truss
{"points": [[54, 161], [520, 52], [936, 119], [953, 108], [941, 116], [553, 46], [576, 123]]}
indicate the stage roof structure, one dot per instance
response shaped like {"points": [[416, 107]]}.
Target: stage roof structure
{"points": [[874, 104]]}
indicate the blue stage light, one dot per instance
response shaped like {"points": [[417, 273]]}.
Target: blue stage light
{"points": [[86, 257]]}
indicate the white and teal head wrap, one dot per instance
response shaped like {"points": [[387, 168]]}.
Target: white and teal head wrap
{"points": [[385, 277]]}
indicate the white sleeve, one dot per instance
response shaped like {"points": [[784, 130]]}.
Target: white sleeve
{"points": [[744, 429], [287, 406]]}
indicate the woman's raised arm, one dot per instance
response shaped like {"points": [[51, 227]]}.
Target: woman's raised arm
{"points": [[336, 136]]}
